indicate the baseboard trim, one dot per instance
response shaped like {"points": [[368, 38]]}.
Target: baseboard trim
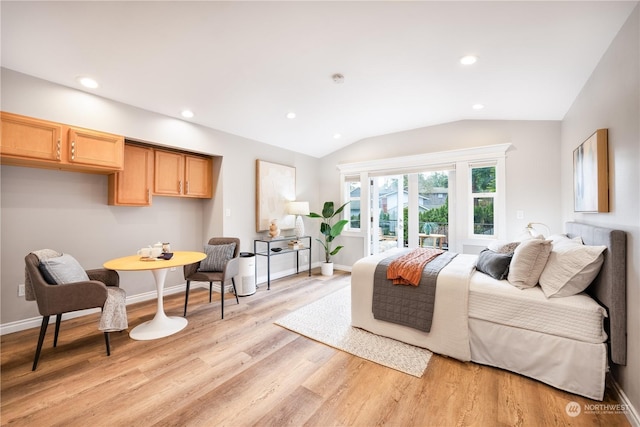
{"points": [[632, 412], [34, 322]]}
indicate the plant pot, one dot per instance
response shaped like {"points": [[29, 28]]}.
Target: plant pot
{"points": [[326, 268]]}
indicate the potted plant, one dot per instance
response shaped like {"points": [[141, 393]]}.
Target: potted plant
{"points": [[330, 231]]}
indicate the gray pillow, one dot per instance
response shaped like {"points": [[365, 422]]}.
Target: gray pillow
{"points": [[494, 264], [217, 257], [62, 269]]}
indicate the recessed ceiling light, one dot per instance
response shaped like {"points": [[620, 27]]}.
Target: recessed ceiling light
{"points": [[87, 82], [337, 136], [468, 60], [477, 106], [187, 114], [291, 115]]}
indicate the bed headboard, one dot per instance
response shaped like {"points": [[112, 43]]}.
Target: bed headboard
{"points": [[610, 286]]}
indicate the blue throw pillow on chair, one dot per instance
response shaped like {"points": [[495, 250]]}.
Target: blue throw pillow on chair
{"points": [[217, 257], [62, 269]]}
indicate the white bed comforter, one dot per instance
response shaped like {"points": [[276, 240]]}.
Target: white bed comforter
{"points": [[449, 333]]}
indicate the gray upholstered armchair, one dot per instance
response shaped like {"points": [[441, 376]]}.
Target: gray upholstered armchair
{"points": [[221, 265], [64, 298]]}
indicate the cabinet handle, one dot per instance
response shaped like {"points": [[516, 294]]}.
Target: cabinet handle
{"points": [[148, 195], [73, 150], [187, 188], [58, 150], [179, 187]]}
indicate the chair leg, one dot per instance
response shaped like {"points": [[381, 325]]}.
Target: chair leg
{"points": [[210, 290], [43, 331], [186, 298], [106, 341], [55, 336], [222, 298], [235, 292]]}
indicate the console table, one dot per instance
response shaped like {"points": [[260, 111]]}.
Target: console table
{"points": [[263, 247]]}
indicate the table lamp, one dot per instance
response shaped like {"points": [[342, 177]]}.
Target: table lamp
{"points": [[298, 209]]}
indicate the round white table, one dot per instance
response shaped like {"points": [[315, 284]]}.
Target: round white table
{"points": [[161, 325]]}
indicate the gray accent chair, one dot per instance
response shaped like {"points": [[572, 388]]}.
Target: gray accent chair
{"points": [[59, 299], [231, 270]]}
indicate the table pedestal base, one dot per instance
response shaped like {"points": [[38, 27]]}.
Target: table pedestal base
{"points": [[161, 325]]}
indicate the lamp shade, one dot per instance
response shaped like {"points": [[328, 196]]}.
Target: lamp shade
{"points": [[298, 208]]}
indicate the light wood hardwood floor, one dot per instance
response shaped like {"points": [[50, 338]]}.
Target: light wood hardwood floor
{"points": [[246, 371]]}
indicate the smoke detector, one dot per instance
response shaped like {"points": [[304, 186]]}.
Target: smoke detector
{"points": [[338, 78]]}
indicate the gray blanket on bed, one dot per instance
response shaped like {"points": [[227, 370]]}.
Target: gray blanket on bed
{"points": [[407, 305]]}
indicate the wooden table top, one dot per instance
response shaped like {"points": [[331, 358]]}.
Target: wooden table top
{"points": [[136, 262]]}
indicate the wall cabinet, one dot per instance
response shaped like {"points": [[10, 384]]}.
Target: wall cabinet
{"points": [[183, 175], [27, 141], [132, 185]]}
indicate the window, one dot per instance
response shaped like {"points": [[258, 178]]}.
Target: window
{"points": [[352, 193], [483, 193], [465, 187]]}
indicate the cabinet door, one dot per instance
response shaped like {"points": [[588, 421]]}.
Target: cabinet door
{"points": [[30, 139], [132, 185], [91, 148], [198, 177], [168, 173]]}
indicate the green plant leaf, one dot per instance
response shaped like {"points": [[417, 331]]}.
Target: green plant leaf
{"points": [[327, 210]]}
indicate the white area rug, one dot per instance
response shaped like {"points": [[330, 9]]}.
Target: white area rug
{"points": [[328, 321]]}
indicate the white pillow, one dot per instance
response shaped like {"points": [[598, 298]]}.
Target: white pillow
{"points": [[571, 268], [529, 259], [62, 269]]}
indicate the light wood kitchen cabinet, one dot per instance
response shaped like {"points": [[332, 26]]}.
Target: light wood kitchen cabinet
{"points": [[27, 141], [132, 185], [96, 149], [184, 175], [198, 176], [30, 139]]}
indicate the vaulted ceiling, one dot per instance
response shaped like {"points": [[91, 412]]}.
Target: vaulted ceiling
{"points": [[241, 67]]}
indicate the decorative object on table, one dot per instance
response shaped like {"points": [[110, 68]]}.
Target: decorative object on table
{"points": [[276, 249], [294, 244], [275, 185], [298, 209], [330, 231], [274, 231], [166, 247], [150, 252], [166, 255], [591, 174]]}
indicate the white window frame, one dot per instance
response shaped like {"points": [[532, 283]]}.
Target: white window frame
{"points": [[472, 196], [460, 233]]}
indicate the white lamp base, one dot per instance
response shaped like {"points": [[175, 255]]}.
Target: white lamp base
{"points": [[299, 226]]}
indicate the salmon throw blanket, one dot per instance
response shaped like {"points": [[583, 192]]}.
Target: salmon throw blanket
{"points": [[407, 269]]}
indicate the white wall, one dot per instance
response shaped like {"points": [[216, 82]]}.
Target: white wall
{"points": [[611, 99], [68, 211], [532, 166]]}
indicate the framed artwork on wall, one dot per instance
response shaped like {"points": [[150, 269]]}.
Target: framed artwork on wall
{"points": [[591, 174], [275, 186]]}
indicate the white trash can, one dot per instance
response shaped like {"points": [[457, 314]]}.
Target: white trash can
{"points": [[246, 283]]}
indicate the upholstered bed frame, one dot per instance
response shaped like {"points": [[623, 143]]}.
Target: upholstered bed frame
{"points": [[609, 288]]}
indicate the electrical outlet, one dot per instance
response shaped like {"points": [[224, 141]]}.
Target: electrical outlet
{"points": [[172, 269], [21, 290]]}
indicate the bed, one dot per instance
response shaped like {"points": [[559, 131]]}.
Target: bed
{"points": [[566, 342]]}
